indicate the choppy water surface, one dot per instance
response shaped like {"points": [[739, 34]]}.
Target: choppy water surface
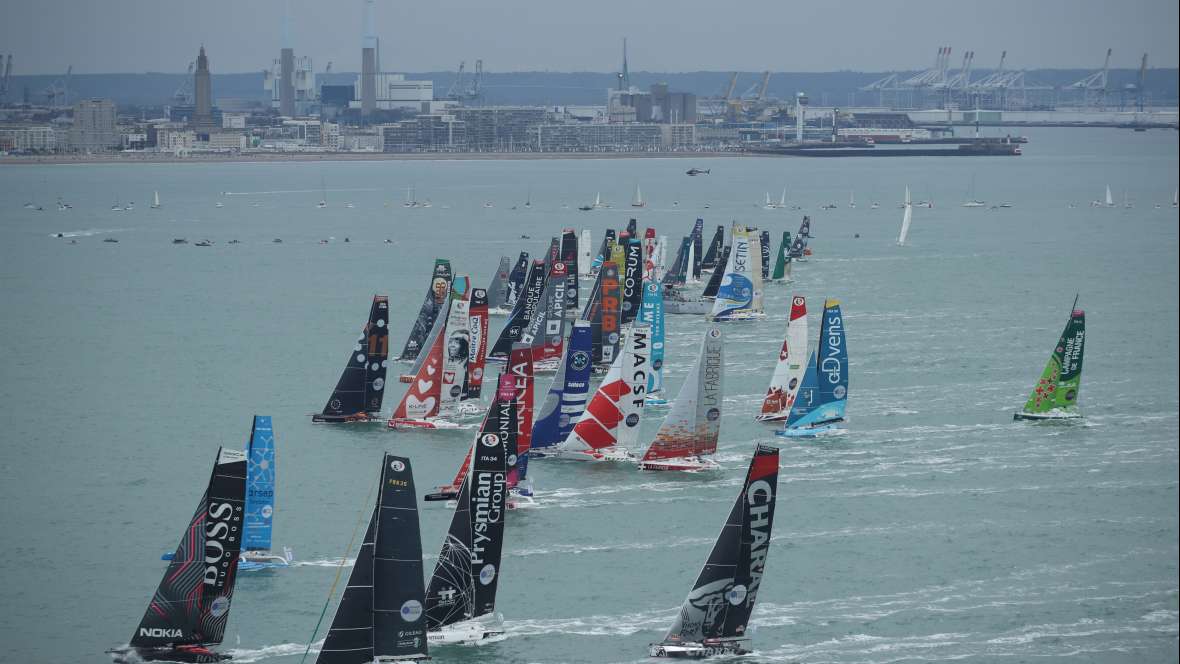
{"points": [[937, 529]]}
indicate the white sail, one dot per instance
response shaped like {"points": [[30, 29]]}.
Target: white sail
{"points": [[156, 200], [852, 199], [792, 363], [598, 199], [693, 424], [1109, 198], [905, 218], [768, 205], [661, 254], [690, 277], [638, 200], [456, 352], [782, 201], [585, 253], [611, 422], [636, 359], [740, 293]]}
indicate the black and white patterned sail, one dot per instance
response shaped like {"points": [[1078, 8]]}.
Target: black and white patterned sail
{"points": [[711, 258], [381, 613], [721, 600], [435, 301], [465, 578], [361, 387], [191, 604], [516, 279], [522, 312]]}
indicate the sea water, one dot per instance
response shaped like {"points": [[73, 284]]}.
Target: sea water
{"points": [[936, 529]]}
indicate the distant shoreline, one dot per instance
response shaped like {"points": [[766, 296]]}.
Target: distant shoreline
{"points": [[155, 158]]}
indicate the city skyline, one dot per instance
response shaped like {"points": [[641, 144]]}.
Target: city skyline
{"points": [[137, 35]]}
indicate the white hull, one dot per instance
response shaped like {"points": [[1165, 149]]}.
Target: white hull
{"points": [[410, 423], [499, 311], [684, 464], [741, 315], [697, 650], [688, 307], [612, 453], [468, 632]]}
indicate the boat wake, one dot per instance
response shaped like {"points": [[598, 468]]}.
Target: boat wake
{"points": [[248, 655], [88, 232]]}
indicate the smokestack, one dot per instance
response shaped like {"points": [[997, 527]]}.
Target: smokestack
{"points": [[286, 82], [370, 58]]}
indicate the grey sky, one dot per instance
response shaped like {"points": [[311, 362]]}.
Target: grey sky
{"points": [[97, 36]]}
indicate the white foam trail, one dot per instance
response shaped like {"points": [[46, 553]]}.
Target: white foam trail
{"points": [[267, 652], [88, 232]]}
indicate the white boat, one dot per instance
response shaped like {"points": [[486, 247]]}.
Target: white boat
{"points": [[156, 201], [221, 205], [637, 202], [972, 201], [689, 433], [1127, 200], [1109, 202], [467, 632], [769, 205], [598, 201], [323, 195], [852, 199], [905, 219]]}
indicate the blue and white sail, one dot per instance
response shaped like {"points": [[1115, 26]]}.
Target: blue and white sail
{"points": [[260, 486], [651, 311], [566, 399], [740, 293], [822, 399]]}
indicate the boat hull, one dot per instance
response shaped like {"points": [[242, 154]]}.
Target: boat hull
{"points": [[827, 429], [410, 423], [696, 650], [682, 464], [688, 307], [320, 418], [467, 632], [182, 654], [1053, 415], [604, 454]]}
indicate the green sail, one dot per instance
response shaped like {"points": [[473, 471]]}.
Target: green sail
{"points": [[1057, 390], [781, 260]]}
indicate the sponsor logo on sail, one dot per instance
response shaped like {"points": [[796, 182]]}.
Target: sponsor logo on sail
{"points": [[411, 610], [221, 531], [161, 632]]}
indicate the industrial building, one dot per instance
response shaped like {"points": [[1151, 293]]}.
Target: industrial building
{"points": [[291, 83], [391, 91]]}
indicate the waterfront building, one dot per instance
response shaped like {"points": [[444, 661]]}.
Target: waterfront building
{"points": [[28, 139], [430, 132], [614, 137], [94, 126], [501, 128]]}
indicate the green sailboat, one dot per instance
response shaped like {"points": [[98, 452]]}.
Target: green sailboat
{"points": [[782, 262], [1055, 395]]}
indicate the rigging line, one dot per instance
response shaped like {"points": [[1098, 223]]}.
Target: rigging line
{"points": [[340, 569]]}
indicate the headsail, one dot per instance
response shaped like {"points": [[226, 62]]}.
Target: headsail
{"points": [[566, 399], [191, 604], [719, 605], [260, 485], [1056, 392], [822, 401], [381, 612], [782, 260], [788, 373], [740, 293], [359, 392], [464, 582], [436, 297], [694, 422]]}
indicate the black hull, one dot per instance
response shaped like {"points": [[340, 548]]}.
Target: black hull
{"points": [[182, 655], [320, 418], [441, 495]]}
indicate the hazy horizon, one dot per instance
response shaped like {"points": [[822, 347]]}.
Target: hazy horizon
{"points": [[136, 36]]}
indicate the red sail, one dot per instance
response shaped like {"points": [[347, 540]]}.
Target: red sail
{"points": [[478, 327], [421, 401]]}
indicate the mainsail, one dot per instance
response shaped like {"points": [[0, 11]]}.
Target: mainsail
{"points": [[498, 290], [566, 399], [612, 418], [457, 349], [520, 371], [1056, 392], [716, 614], [191, 604], [714, 283], [584, 253], [522, 312], [545, 332], [359, 392], [764, 251], [822, 398], [260, 486], [788, 373], [694, 422], [905, 218], [782, 261], [569, 256], [712, 257], [652, 313], [677, 274], [516, 280], [740, 293], [381, 613], [423, 398], [632, 279], [464, 582], [436, 297], [604, 318], [697, 249]]}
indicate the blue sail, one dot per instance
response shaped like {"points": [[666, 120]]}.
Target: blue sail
{"points": [[823, 395], [652, 312], [566, 399], [260, 485]]}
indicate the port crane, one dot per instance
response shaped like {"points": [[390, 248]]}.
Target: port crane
{"points": [[5, 80], [58, 92], [461, 89], [1093, 87]]}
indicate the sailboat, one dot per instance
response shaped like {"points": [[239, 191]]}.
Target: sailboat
{"points": [[788, 372], [905, 219], [852, 199], [432, 304], [769, 205], [381, 616], [498, 290], [156, 201], [740, 294], [436, 383], [637, 201], [260, 499], [190, 608], [598, 201], [609, 427], [782, 200], [527, 301], [1175, 197], [512, 287], [822, 398], [1055, 395], [782, 260], [1127, 200], [114, 208], [462, 589], [714, 619], [566, 400], [711, 259], [323, 195], [358, 394], [545, 331], [1109, 202], [584, 253], [651, 312], [971, 201], [693, 424]]}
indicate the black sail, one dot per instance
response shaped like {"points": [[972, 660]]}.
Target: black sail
{"points": [[765, 239], [713, 252], [698, 231], [721, 600], [516, 278], [436, 297], [569, 256], [381, 611], [632, 279], [522, 313], [604, 325], [678, 273], [498, 291], [191, 604], [464, 582], [361, 387], [715, 279]]}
